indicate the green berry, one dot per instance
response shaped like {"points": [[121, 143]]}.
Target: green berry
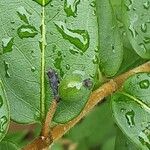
{"points": [[72, 88]]}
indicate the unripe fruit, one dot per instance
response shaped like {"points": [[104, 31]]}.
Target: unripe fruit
{"points": [[74, 87]]}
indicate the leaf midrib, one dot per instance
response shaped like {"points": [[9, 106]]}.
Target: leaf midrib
{"points": [[43, 40], [141, 103]]}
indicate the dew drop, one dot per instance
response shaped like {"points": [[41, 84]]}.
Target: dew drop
{"points": [[144, 137], [133, 31], [33, 69], [7, 44], [96, 49], [143, 47], [93, 4], [144, 27], [80, 38], [75, 84], [12, 22], [73, 50], [146, 5], [68, 67], [70, 7], [33, 54], [3, 121], [23, 14], [95, 60], [51, 5], [43, 3], [7, 74], [129, 5], [113, 48], [26, 31], [94, 12], [130, 118], [123, 110], [146, 40], [1, 101], [144, 84]]}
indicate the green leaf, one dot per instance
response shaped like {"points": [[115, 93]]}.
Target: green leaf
{"points": [[97, 128], [6, 145], [4, 112], [128, 61], [131, 109], [129, 53], [109, 144], [110, 43], [56, 146], [35, 39], [136, 20], [123, 143]]}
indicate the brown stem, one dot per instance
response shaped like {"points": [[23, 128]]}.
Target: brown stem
{"points": [[46, 127], [45, 139], [41, 143], [96, 97]]}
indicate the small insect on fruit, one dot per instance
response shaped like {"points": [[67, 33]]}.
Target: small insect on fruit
{"points": [[74, 87]]}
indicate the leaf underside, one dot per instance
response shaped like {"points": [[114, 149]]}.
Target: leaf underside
{"points": [[110, 43], [136, 20], [32, 43], [131, 109]]}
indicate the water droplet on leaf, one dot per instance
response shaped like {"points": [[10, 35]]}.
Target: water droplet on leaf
{"points": [[1, 101], [130, 118], [70, 7], [26, 31], [67, 66], [6, 64], [12, 22], [129, 5], [93, 4], [95, 60], [73, 50], [94, 12], [144, 27], [23, 14], [80, 38], [144, 84], [146, 40], [123, 109], [146, 5], [143, 47], [96, 49], [144, 136], [7, 44], [33, 69], [3, 121], [133, 31]]}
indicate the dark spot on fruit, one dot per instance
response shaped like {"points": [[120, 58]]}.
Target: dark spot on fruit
{"points": [[87, 83]]}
